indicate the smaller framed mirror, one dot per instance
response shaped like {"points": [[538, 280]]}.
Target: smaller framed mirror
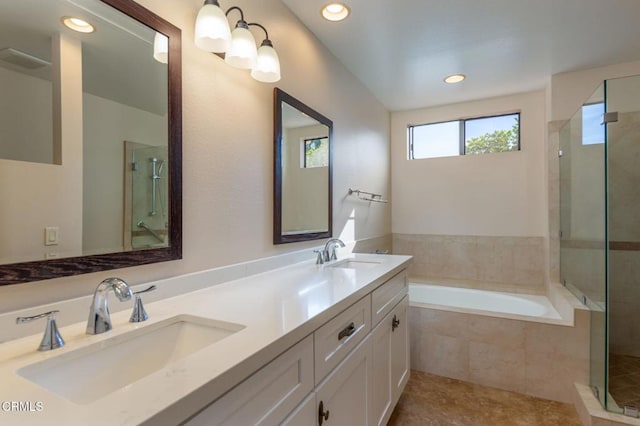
{"points": [[303, 150]]}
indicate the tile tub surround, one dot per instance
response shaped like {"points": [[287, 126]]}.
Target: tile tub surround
{"points": [[534, 358], [435, 400], [518, 261], [278, 308]]}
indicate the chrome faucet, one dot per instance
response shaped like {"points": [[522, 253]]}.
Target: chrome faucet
{"points": [[99, 319], [329, 252]]}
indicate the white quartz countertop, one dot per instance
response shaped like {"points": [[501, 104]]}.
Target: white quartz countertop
{"points": [[278, 308]]}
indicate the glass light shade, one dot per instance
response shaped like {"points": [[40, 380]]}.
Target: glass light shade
{"points": [[212, 29], [161, 48], [267, 67], [242, 51]]}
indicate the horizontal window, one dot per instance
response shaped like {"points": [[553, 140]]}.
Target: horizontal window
{"points": [[483, 135]]}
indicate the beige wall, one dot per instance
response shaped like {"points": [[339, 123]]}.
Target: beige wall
{"points": [[228, 153], [491, 194]]}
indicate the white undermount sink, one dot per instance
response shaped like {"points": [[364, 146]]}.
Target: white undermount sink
{"points": [[355, 264], [87, 374]]}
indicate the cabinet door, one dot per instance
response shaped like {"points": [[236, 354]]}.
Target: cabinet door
{"points": [[305, 415], [345, 394], [381, 376], [400, 365]]}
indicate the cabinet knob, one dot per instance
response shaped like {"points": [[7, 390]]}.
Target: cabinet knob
{"points": [[395, 323], [322, 414]]}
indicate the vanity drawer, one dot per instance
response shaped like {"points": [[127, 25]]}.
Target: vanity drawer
{"points": [[385, 297], [268, 396], [334, 340]]}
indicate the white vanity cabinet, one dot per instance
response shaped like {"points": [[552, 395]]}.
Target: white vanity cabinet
{"points": [[346, 393], [342, 374], [390, 348], [400, 361], [267, 396]]}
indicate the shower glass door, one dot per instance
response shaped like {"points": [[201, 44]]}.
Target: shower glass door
{"points": [[623, 198], [583, 218], [600, 234]]}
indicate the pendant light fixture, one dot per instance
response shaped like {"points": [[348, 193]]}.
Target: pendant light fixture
{"points": [[212, 28], [267, 66], [242, 51], [237, 47]]}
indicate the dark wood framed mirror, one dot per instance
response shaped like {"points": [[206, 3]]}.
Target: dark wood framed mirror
{"points": [[105, 192], [303, 150]]}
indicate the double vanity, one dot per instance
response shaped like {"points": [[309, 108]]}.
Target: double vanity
{"points": [[301, 345]]}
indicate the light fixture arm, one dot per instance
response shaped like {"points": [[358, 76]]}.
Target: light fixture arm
{"points": [[266, 34], [232, 9]]}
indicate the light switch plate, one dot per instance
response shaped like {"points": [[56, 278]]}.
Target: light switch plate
{"points": [[51, 235]]}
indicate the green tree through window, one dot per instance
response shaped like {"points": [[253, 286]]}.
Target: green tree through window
{"points": [[316, 152], [497, 141], [480, 135]]}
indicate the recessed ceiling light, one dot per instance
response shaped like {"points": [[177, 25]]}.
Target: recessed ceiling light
{"points": [[335, 12], [455, 78], [77, 24]]}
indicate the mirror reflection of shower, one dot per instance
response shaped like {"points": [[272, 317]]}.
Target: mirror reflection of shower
{"points": [[156, 189], [146, 227], [146, 180]]}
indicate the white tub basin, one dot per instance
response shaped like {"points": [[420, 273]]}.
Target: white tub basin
{"points": [[87, 374], [355, 264]]}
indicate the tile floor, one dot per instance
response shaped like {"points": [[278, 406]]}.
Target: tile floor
{"points": [[624, 379], [433, 400]]}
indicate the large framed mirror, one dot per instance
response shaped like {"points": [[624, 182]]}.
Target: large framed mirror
{"points": [[303, 149], [90, 138]]}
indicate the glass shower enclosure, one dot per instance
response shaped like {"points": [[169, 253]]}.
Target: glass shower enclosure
{"points": [[600, 234]]}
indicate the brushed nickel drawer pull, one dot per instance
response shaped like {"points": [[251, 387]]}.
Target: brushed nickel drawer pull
{"points": [[347, 331]]}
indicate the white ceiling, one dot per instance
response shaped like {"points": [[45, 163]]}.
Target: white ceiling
{"points": [[401, 50]]}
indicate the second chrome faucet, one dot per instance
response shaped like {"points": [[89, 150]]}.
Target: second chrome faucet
{"points": [[329, 252]]}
